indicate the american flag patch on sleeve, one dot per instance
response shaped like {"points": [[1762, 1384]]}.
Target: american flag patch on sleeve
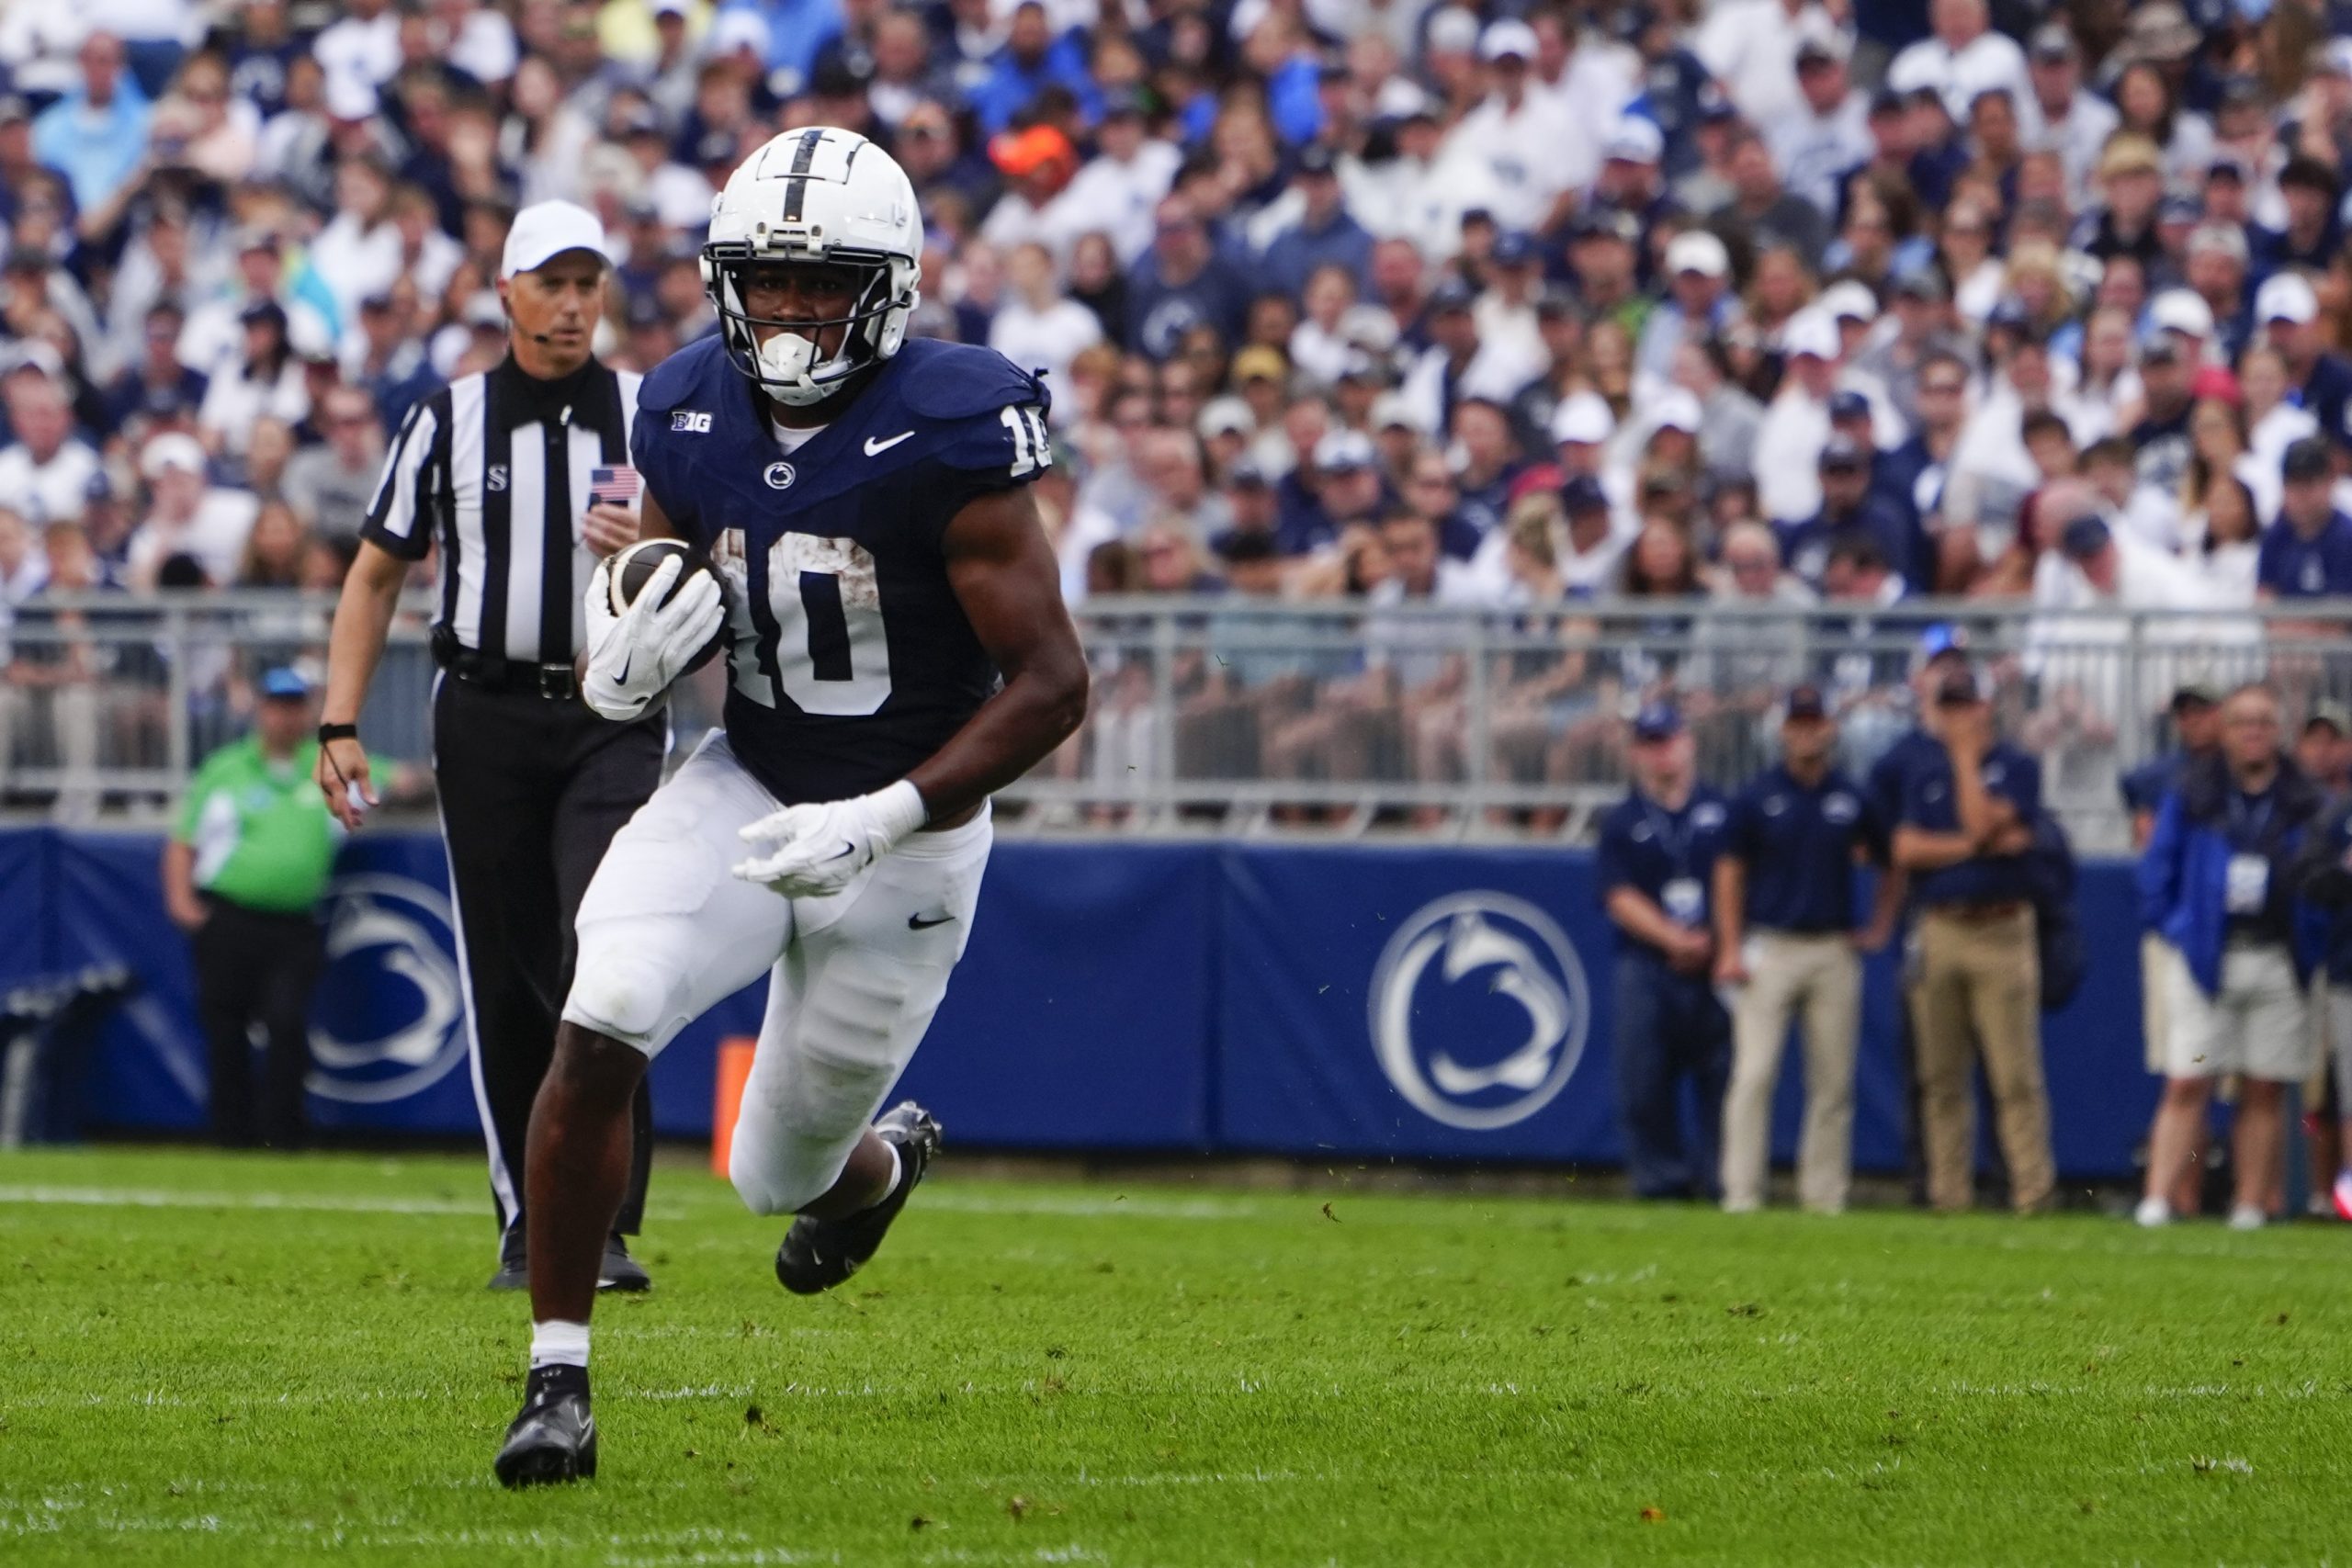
{"points": [[613, 487]]}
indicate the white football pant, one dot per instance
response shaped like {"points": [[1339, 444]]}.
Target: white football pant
{"points": [[666, 932]]}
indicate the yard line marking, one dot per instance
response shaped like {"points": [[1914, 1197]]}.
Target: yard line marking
{"points": [[957, 1200], [155, 1198]]}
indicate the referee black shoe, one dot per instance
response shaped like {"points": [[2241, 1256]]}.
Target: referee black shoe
{"points": [[619, 1271], [817, 1254], [514, 1271], [554, 1438]]}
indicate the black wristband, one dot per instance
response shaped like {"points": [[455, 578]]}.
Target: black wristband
{"points": [[337, 732]]}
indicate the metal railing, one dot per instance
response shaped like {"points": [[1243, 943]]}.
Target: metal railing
{"points": [[1230, 716]]}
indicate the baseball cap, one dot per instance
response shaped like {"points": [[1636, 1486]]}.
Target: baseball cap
{"points": [[1506, 38], [2130, 154], [1716, 105], [1635, 138], [1957, 689], [2052, 43], [2307, 459], [2085, 537], [544, 231], [1452, 29], [1390, 411], [1804, 702], [2181, 206], [2182, 311], [1605, 223], [1822, 45], [2218, 382], [1584, 493], [1225, 416], [1850, 298], [1810, 331], [284, 683], [1514, 247], [1313, 159], [1843, 453], [1245, 474], [2286, 297], [1848, 403], [1700, 252], [1020, 152], [1344, 451], [2195, 694], [1583, 417], [1921, 281], [1676, 409], [1657, 721], [1450, 295], [2332, 715], [171, 452], [1260, 363]]}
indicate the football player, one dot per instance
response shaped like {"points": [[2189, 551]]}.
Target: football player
{"points": [[897, 649]]}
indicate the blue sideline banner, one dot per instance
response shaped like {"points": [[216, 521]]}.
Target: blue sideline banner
{"points": [[1337, 1002], [1449, 1004]]}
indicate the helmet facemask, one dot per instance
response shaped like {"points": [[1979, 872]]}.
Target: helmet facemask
{"points": [[796, 375]]}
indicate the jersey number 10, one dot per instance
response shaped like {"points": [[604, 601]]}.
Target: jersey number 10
{"points": [[830, 654]]}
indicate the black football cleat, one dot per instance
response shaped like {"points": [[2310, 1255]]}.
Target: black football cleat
{"points": [[817, 1254], [514, 1271], [619, 1271], [554, 1438]]}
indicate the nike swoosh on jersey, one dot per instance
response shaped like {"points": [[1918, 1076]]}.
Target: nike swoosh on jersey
{"points": [[917, 923], [876, 448]]}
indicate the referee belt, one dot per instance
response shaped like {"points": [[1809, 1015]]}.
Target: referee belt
{"points": [[496, 672]]}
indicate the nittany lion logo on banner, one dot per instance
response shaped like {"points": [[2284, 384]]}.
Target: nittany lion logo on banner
{"points": [[1479, 1010], [388, 1021]]}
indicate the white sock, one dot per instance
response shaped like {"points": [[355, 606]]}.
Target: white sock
{"points": [[556, 1343], [898, 1170]]}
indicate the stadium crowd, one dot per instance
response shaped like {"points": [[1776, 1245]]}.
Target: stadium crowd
{"points": [[1757, 302]]}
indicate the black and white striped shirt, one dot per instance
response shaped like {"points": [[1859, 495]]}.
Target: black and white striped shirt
{"points": [[495, 467]]}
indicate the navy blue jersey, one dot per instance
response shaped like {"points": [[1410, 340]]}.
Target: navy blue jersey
{"points": [[1668, 855], [1930, 804], [1798, 844], [849, 659], [2292, 567]]}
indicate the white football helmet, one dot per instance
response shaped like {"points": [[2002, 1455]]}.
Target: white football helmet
{"points": [[821, 195]]}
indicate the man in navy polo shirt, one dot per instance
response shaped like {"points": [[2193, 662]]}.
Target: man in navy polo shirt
{"points": [[1788, 944], [2307, 552], [1965, 826], [1656, 858]]}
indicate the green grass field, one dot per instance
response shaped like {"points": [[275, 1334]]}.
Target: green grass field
{"points": [[238, 1360]]}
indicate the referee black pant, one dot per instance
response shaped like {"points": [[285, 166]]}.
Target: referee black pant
{"points": [[533, 789], [253, 967]]}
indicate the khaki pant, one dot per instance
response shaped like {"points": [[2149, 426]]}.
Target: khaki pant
{"points": [[1979, 986], [2155, 1028], [1820, 978]]}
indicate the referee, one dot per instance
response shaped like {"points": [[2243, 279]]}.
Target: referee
{"points": [[500, 471]]}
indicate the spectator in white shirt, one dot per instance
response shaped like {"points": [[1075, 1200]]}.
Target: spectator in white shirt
{"points": [[1828, 133], [1119, 190], [364, 46], [1796, 423], [1037, 327], [47, 470], [1531, 150], [2056, 115], [1751, 47], [186, 516], [1963, 57]]}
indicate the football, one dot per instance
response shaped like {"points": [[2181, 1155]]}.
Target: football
{"points": [[634, 567]]}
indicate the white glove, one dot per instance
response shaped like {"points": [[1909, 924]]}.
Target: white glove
{"points": [[633, 656], [807, 851]]}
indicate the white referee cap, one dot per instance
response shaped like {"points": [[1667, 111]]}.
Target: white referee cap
{"points": [[544, 231]]}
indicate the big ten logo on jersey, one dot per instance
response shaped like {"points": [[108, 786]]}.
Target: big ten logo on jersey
{"points": [[818, 639], [692, 422]]}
